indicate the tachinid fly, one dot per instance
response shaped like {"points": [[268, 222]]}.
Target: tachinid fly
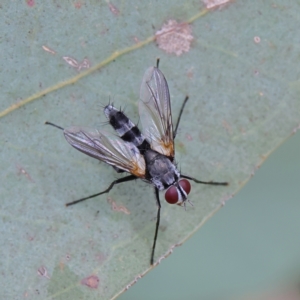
{"points": [[148, 155]]}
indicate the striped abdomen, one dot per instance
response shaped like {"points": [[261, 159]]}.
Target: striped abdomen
{"points": [[127, 130]]}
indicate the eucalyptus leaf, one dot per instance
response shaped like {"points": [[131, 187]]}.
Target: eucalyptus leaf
{"points": [[241, 75]]}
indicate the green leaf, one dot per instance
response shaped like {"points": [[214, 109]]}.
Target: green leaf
{"points": [[241, 75]]}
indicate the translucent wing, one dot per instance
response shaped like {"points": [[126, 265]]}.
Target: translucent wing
{"points": [[107, 148], [155, 112]]}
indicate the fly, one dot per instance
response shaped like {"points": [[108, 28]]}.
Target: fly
{"points": [[148, 155]]}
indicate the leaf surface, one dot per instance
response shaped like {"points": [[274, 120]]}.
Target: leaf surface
{"points": [[241, 75]]}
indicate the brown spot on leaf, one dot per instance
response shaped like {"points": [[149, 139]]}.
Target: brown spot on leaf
{"points": [[42, 271], [30, 3], [47, 49], [71, 61], [24, 172], [188, 137], [113, 9], [190, 73], [91, 281], [174, 38], [116, 207], [85, 64], [256, 39], [78, 4]]}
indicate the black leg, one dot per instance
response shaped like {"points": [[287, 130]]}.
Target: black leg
{"points": [[124, 179], [179, 117], [49, 123], [204, 182], [157, 63], [157, 224]]}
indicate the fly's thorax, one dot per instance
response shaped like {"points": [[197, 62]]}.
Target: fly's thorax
{"points": [[160, 170]]}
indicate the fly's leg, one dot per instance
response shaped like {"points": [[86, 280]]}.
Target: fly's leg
{"points": [[203, 182], [157, 224], [179, 117], [174, 135], [120, 180], [124, 179], [49, 123], [157, 63]]}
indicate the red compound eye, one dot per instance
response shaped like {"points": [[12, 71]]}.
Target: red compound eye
{"points": [[171, 194], [185, 184]]}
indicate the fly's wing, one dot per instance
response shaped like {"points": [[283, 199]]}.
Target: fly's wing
{"points": [[107, 148], [155, 112]]}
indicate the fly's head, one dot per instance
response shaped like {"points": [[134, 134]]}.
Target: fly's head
{"points": [[177, 193]]}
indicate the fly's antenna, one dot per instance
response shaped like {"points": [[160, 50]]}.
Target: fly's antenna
{"points": [[157, 63], [190, 202], [49, 123]]}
